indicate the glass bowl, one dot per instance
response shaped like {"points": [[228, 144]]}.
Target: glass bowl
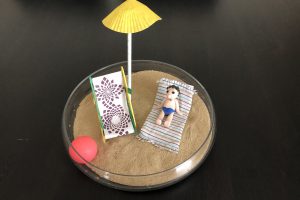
{"points": [[150, 181]]}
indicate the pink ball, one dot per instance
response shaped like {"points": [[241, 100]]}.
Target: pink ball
{"points": [[86, 147]]}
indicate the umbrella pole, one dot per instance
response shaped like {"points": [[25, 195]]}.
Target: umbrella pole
{"points": [[129, 54]]}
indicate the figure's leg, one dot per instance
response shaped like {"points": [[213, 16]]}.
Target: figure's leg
{"points": [[160, 118], [168, 120]]}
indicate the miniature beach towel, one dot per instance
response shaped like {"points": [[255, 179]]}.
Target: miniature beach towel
{"points": [[115, 115], [168, 138]]}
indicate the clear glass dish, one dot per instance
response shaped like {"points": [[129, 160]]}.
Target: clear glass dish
{"points": [[150, 181]]}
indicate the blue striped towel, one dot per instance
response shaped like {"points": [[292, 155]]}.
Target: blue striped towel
{"points": [[167, 138]]}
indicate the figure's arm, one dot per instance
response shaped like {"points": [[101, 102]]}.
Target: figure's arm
{"points": [[161, 104], [177, 107]]}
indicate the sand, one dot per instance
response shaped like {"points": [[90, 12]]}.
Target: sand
{"points": [[129, 156]]}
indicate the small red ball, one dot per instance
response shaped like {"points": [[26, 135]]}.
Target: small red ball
{"points": [[86, 147]]}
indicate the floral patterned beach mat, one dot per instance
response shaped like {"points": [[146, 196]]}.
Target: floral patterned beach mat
{"points": [[167, 138], [111, 103]]}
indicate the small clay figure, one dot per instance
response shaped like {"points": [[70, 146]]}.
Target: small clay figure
{"points": [[169, 106]]}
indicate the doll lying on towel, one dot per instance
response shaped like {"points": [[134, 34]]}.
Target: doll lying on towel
{"points": [[169, 106], [163, 127]]}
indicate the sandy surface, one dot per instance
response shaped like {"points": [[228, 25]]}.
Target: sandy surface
{"points": [[129, 156]]}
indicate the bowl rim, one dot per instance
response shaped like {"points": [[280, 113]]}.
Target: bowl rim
{"points": [[212, 130]]}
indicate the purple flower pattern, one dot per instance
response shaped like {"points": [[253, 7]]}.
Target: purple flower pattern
{"points": [[115, 120], [108, 91]]}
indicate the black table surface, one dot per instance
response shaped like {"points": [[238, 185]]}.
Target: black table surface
{"points": [[245, 52]]}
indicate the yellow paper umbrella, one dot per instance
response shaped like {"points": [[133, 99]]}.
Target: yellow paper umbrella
{"points": [[130, 17]]}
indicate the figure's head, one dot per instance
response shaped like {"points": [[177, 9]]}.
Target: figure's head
{"points": [[172, 92]]}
